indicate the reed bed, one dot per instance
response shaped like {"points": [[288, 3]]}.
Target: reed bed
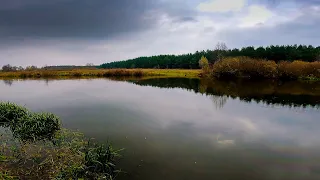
{"points": [[245, 67]]}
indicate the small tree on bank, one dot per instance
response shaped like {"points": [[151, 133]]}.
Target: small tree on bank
{"points": [[204, 64]]}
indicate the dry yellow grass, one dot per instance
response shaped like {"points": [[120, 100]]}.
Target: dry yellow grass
{"points": [[102, 73]]}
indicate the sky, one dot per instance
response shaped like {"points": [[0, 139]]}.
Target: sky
{"points": [[77, 32]]}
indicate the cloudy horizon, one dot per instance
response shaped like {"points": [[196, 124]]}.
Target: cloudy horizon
{"points": [[77, 32]]}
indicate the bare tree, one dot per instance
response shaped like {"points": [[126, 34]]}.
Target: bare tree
{"points": [[220, 49], [31, 68], [8, 68], [89, 64], [20, 68]]}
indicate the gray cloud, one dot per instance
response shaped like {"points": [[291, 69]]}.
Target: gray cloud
{"points": [[302, 30], [39, 32], [275, 3], [79, 18]]}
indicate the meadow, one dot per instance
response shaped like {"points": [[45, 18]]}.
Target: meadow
{"points": [[102, 73]]}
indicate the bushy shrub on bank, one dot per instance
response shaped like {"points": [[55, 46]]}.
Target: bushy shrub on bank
{"points": [[264, 69]]}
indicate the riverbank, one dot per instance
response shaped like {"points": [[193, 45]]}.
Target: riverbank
{"points": [[193, 73], [35, 146]]}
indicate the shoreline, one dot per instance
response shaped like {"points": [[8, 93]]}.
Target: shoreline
{"points": [[129, 74], [194, 73]]}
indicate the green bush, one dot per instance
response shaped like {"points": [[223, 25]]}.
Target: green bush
{"points": [[36, 126], [10, 112], [27, 125]]}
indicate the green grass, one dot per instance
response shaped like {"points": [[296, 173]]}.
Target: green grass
{"points": [[27, 125], [5, 176]]}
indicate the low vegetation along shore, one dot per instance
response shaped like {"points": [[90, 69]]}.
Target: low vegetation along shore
{"points": [[231, 67], [34, 146], [42, 73], [244, 67]]}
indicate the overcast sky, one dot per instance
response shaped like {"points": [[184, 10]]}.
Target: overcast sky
{"points": [[56, 32]]}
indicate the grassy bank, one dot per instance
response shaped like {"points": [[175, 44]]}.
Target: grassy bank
{"points": [[102, 73], [245, 67], [34, 146]]}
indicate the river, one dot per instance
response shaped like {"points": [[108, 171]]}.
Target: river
{"points": [[186, 129]]}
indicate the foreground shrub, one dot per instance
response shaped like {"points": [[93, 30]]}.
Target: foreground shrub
{"points": [[42, 159], [37, 148], [36, 126], [27, 125], [68, 156]]}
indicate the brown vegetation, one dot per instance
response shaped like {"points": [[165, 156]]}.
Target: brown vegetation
{"points": [[73, 73], [264, 69], [87, 73]]}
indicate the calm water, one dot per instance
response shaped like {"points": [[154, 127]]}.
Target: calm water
{"points": [[190, 129]]}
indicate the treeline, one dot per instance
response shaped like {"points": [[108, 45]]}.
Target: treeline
{"points": [[69, 67], [191, 61]]}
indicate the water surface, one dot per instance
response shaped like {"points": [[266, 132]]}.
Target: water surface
{"points": [[189, 129]]}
